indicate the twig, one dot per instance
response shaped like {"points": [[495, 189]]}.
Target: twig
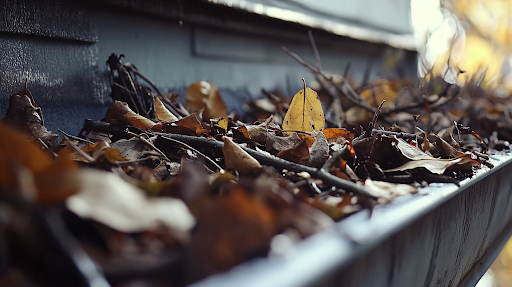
{"points": [[402, 135], [195, 150], [317, 55], [355, 99], [273, 161], [79, 151], [351, 95], [145, 141], [75, 138], [333, 158]]}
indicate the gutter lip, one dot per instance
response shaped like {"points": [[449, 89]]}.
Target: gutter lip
{"points": [[334, 248], [400, 41]]}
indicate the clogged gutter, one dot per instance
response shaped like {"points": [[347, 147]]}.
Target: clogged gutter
{"points": [[170, 193]]}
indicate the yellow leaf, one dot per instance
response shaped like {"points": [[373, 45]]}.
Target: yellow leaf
{"points": [[305, 112], [223, 124], [162, 113]]}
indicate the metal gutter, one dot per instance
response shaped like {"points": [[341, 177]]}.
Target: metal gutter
{"points": [[401, 41], [443, 236]]}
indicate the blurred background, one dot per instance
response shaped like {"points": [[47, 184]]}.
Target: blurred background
{"points": [[464, 39]]}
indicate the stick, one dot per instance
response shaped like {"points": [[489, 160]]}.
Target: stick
{"points": [[273, 161]]}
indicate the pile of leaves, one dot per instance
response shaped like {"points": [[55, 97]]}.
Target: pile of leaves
{"points": [[170, 194]]}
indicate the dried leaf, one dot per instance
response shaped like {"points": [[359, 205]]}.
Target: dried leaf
{"points": [[120, 113], [305, 112], [336, 135], [162, 113], [236, 158], [279, 143], [223, 124], [187, 126], [231, 229], [205, 95], [259, 133], [386, 191], [24, 115], [106, 198], [297, 154], [48, 176], [434, 165], [319, 151]]}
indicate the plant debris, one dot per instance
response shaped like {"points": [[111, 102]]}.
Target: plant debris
{"points": [[171, 194]]}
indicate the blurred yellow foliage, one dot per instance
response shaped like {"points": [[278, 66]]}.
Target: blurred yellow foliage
{"points": [[485, 44]]}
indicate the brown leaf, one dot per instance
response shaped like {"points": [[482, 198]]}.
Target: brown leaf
{"points": [[279, 143], [186, 126], [319, 151], [162, 113], [231, 229], [259, 133], [297, 154], [205, 95], [120, 113], [336, 135], [434, 165], [386, 191], [24, 115], [236, 158], [21, 159], [439, 147]]}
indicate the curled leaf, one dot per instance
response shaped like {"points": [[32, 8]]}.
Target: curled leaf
{"points": [[24, 115], [187, 126], [162, 113], [106, 198], [236, 158], [120, 112]]}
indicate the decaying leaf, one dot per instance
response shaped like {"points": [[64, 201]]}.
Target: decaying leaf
{"points": [[24, 115], [319, 151], [230, 229], [120, 113], [298, 153], [386, 191], [22, 162], [162, 113], [188, 125], [259, 133], [205, 95], [106, 198], [236, 158], [305, 112], [435, 165]]}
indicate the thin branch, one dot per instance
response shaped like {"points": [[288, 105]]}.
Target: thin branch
{"points": [[351, 95], [146, 142], [75, 138], [317, 55], [195, 150], [273, 161], [334, 157]]}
